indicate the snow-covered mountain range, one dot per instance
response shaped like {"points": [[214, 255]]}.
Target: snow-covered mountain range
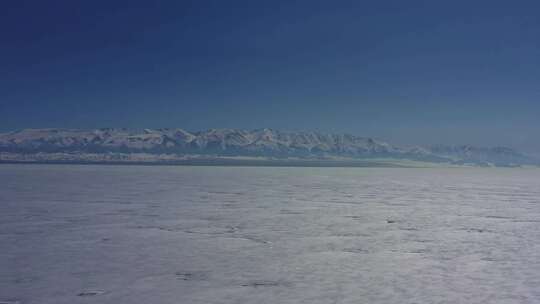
{"points": [[171, 144]]}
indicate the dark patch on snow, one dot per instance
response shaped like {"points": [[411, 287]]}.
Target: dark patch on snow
{"points": [[489, 259], [477, 230], [256, 284], [90, 293], [423, 241], [23, 281], [190, 275], [417, 251], [408, 228], [254, 239], [355, 250], [497, 217], [413, 251], [284, 211]]}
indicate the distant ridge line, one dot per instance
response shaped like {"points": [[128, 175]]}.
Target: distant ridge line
{"points": [[175, 144]]}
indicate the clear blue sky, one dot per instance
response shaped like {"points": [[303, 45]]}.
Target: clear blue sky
{"points": [[406, 71]]}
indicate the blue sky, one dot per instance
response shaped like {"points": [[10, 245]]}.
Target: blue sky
{"points": [[417, 72]]}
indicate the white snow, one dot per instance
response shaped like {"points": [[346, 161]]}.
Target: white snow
{"points": [[157, 234]]}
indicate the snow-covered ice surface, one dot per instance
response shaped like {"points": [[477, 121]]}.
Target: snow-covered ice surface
{"points": [[137, 234]]}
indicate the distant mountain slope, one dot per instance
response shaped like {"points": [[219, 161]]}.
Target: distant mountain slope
{"points": [[498, 156], [231, 142]]}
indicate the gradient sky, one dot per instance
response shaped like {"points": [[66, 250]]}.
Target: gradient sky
{"points": [[418, 72]]}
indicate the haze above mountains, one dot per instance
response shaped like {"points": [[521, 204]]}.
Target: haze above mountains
{"points": [[177, 145]]}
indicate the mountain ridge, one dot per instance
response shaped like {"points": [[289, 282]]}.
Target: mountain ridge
{"points": [[265, 143]]}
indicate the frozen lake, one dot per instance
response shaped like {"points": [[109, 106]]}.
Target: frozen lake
{"points": [[153, 234]]}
